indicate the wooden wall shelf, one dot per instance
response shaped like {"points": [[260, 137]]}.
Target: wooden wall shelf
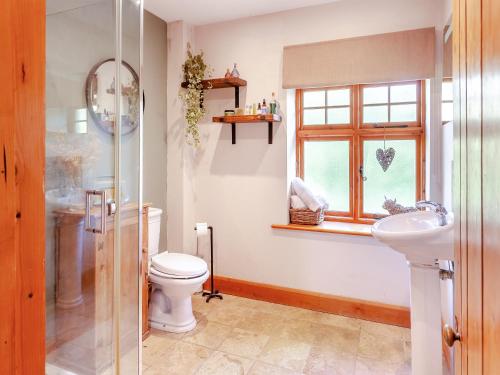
{"points": [[220, 83], [246, 119]]}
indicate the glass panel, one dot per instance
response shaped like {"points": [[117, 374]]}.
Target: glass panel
{"points": [[339, 97], [80, 157], [447, 93], [130, 201], [447, 112], [339, 116], [404, 93], [314, 99], [398, 182], [375, 95], [326, 171], [375, 114], [314, 116], [403, 112]]}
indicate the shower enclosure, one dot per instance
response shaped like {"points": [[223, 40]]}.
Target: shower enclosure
{"points": [[93, 186]]}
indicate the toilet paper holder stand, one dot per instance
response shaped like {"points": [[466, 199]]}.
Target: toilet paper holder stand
{"points": [[214, 293]]}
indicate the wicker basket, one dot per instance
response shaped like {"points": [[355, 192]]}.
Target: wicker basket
{"points": [[306, 217]]}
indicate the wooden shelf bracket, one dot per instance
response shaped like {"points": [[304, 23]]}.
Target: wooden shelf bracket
{"points": [[269, 132]]}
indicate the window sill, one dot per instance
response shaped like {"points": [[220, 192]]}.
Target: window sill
{"points": [[334, 227]]}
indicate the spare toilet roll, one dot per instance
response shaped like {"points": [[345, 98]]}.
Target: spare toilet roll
{"points": [[201, 229], [202, 241]]}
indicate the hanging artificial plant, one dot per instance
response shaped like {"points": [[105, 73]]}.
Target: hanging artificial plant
{"points": [[194, 69]]}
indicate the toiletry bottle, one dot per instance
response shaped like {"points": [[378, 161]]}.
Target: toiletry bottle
{"points": [[264, 110], [273, 104], [259, 109], [228, 74], [235, 72], [254, 109]]}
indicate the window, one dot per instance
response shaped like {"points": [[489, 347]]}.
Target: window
{"points": [[340, 129]]}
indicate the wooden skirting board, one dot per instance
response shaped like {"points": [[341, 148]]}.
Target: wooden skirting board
{"points": [[354, 308]]}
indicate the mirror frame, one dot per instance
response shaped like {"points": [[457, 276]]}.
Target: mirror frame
{"points": [[88, 97]]}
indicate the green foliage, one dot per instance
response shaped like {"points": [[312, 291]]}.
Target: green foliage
{"points": [[194, 69]]}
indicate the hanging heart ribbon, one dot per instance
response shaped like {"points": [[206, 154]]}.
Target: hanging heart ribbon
{"points": [[385, 156]]}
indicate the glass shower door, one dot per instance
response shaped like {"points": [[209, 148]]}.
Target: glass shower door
{"points": [[92, 184]]}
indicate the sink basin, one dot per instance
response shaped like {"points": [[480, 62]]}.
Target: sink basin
{"points": [[417, 235], [71, 198]]}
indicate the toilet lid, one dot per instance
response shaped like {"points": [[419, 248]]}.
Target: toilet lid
{"points": [[179, 264]]}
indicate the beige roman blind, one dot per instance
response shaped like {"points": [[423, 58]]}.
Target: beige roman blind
{"points": [[392, 57]]}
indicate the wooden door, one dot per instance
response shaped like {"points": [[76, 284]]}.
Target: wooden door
{"points": [[477, 185], [22, 148]]}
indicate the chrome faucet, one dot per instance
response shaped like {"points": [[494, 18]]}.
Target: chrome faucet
{"points": [[437, 208]]}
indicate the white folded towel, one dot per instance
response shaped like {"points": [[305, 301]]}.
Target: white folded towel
{"points": [[305, 194], [297, 203], [323, 201]]}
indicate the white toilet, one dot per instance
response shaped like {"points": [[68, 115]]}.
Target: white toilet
{"points": [[175, 277]]}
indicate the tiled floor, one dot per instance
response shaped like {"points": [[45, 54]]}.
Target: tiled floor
{"points": [[243, 336]]}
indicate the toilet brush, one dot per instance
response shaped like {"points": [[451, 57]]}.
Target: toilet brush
{"points": [[213, 292]]}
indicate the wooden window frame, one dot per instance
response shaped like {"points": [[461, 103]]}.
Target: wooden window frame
{"points": [[420, 102], [356, 132], [353, 116]]}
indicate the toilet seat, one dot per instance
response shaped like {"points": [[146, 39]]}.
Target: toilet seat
{"points": [[177, 266], [163, 275]]}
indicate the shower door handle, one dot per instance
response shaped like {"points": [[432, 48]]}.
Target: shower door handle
{"points": [[88, 206]]}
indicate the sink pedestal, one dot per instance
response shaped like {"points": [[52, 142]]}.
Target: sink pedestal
{"points": [[69, 253], [423, 237], [426, 343]]}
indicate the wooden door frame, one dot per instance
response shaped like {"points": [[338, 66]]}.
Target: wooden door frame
{"points": [[476, 70], [22, 202], [459, 181]]}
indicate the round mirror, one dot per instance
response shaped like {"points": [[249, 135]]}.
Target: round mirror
{"points": [[100, 95]]}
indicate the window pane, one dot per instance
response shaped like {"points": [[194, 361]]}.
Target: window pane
{"points": [[339, 115], [447, 112], [398, 182], [326, 171], [339, 97], [375, 114], [403, 112], [375, 95], [314, 98], [314, 116], [404, 93], [447, 90]]}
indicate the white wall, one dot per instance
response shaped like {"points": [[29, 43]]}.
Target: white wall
{"points": [[155, 115], [242, 189], [180, 156]]}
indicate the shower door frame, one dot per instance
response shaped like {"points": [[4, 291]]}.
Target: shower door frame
{"points": [[22, 198], [116, 352]]}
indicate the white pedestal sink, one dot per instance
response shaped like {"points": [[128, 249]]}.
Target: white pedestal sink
{"points": [[423, 241]]}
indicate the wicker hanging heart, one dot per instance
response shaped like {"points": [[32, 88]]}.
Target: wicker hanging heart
{"points": [[385, 157]]}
